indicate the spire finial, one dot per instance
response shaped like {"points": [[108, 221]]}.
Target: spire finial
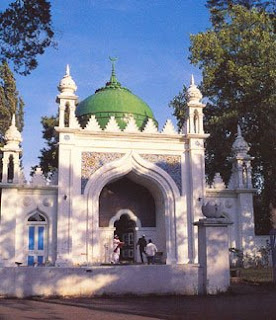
{"points": [[113, 78], [239, 131], [13, 120], [192, 80], [67, 70]]}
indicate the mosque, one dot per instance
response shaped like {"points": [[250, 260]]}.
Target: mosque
{"points": [[119, 174]]}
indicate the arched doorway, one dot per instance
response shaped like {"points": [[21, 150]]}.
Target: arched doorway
{"points": [[125, 229], [159, 184], [129, 208]]}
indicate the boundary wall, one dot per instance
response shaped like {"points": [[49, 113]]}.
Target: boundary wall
{"points": [[24, 282]]}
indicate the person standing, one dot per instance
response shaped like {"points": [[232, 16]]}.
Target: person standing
{"points": [[150, 252], [117, 244], [142, 242]]}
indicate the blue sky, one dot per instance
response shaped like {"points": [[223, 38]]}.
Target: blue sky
{"points": [[150, 38]]}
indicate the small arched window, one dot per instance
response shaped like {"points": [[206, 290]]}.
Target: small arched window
{"points": [[37, 217], [66, 114], [10, 169], [196, 122], [37, 239]]}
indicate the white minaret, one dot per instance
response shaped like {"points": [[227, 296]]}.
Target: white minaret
{"points": [[194, 165], [11, 152], [241, 182], [67, 154], [67, 98]]}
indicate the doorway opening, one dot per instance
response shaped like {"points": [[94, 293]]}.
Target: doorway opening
{"points": [[125, 229]]}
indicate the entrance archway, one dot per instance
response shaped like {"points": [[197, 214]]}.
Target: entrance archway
{"points": [[145, 173]]}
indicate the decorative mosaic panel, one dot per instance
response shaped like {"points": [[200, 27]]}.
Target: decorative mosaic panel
{"points": [[170, 164], [92, 161]]}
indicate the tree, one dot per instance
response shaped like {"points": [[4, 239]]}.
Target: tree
{"points": [[237, 56], [218, 7], [25, 32], [179, 104], [10, 102], [49, 154]]}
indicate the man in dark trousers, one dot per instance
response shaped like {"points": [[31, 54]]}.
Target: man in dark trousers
{"points": [[142, 242], [151, 252]]}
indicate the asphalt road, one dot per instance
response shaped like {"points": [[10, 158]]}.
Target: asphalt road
{"points": [[243, 302]]}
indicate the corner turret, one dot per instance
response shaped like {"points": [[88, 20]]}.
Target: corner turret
{"points": [[67, 99], [194, 117], [11, 152], [241, 177]]}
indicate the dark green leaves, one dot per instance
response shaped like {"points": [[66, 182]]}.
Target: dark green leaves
{"points": [[25, 32]]}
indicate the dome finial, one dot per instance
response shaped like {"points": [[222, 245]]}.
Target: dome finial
{"points": [[113, 78], [239, 131], [13, 120], [192, 80], [67, 70]]}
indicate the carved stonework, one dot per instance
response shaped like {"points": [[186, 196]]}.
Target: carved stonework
{"points": [[27, 201], [169, 163], [92, 161], [47, 202]]}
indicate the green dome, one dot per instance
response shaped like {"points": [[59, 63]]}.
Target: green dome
{"points": [[114, 100]]}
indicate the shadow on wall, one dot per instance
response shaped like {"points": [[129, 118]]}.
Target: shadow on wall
{"points": [[80, 224], [114, 280]]}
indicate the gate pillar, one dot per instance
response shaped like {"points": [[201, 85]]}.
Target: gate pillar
{"points": [[213, 248]]}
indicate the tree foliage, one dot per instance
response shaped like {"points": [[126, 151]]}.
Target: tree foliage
{"points": [[49, 154], [179, 105], [219, 7], [10, 102], [25, 32], [237, 56]]}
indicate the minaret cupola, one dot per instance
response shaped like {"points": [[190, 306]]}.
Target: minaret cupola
{"points": [[11, 152], [67, 86], [240, 147], [13, 136], [193, 93], [194, 114]]}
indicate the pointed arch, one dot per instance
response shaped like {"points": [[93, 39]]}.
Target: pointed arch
{"points": [[36, 235], [133, 163], [118, 215], [34, 212]]}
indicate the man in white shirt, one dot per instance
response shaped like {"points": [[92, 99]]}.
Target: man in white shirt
{"points": [[150, 251]]}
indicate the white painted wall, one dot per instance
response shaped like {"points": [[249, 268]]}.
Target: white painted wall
{"points": [[18, 203], [114, 280]]}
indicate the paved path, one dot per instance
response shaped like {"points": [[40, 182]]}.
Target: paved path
{"points": [[244, 302]]}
